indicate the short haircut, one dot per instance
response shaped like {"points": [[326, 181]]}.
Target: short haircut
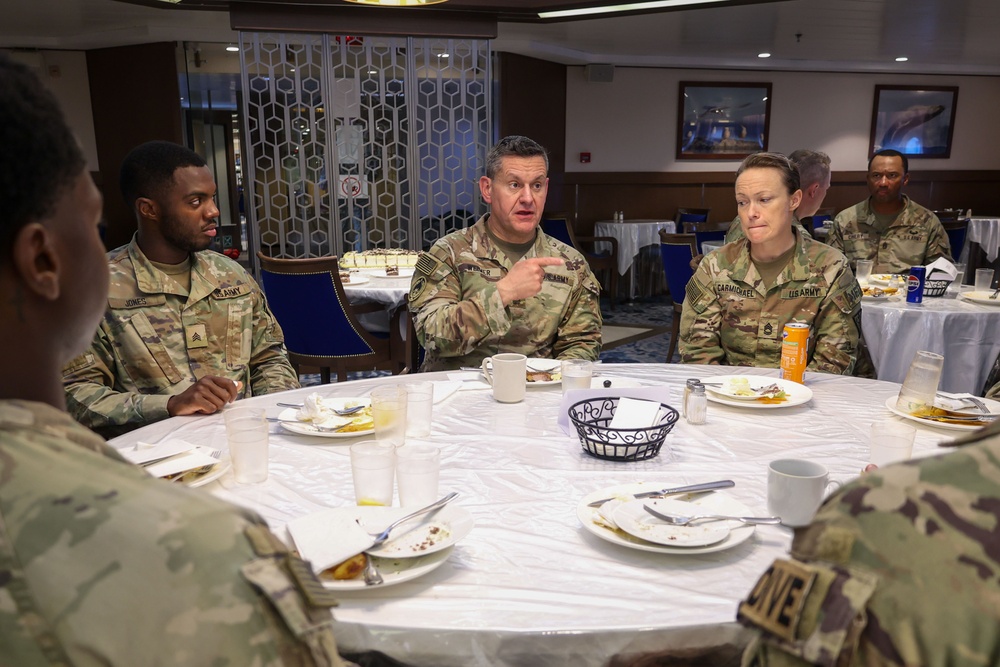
{"points": [[39, 156], [517, 146], [148, 170], [814, 166], [890, 152], [789, 172]]}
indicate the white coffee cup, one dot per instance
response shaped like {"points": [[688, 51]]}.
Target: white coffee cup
{"points": [[507, 372], [795, 489]]}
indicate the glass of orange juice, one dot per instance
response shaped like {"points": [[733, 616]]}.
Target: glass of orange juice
{"points": [[373, 466]]}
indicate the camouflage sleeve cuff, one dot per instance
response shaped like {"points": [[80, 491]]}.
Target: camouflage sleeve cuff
{"points": [[154, 407]]}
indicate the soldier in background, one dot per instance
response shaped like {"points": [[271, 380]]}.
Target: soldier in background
{"points": [[888, 227], [898, 568], [99, 562], [742, 295], [187, 330], [503, 285]]}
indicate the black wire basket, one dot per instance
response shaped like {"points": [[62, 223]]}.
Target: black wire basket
{"points": [[592, 418]]}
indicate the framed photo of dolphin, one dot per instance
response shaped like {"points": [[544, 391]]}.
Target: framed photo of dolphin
{"points": [[916, 121]]}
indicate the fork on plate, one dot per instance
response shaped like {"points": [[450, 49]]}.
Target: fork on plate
{"points": [[342, 413], [315, 427], [688, 520], [970, 399]]}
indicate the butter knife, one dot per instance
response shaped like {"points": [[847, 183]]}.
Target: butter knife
{"points": [[692, 488]]}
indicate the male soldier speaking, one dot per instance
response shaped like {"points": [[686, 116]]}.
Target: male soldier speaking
{"points": [[187, 330], [503, 285]]}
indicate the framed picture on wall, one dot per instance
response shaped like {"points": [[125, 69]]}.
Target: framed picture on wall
{"points": [[722, 121], [916, 121]]}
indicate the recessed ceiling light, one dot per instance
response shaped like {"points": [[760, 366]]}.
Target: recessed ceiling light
{"points": [[764, 55], [233, 48], [395, 3], [631, 7], [901, 59]]}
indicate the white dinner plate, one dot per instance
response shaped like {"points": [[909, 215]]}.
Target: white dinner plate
{"points": [[878, 298], [714, 503], [290, 417], [212, 474], [637, 522], [393, 571], [883, 278], [545, 365], [981, 297], [993, 406], [797, 393], [356, 279], [420, 536], [380, 273]]}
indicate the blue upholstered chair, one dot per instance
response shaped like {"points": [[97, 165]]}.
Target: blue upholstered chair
{"points": [[690, 215], [320, 325], [607, 260], [707, 231], [677, 251], [956, 228]]}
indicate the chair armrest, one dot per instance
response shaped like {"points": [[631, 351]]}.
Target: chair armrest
{"points": [[606, 239]]}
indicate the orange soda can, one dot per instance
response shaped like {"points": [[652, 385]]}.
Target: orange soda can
{"points": [[794, 351]]}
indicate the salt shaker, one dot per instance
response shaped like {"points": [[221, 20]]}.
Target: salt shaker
{"points": [[697, 405], [688, 386]]}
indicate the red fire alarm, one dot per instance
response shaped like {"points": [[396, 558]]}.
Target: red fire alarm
{"points": [[584, 157]]}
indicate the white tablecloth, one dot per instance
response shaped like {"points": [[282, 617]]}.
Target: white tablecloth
{"points": [[529, 585], [967, 334], [390, 292], [985, 232], [632, 235]]}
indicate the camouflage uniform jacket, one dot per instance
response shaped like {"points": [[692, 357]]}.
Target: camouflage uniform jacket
{"points": [[461, 320], [154, 343], [100, 564], [729, 318], [898, 568], [736, 233], [915, 238]]}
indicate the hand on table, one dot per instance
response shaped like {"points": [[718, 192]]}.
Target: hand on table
{"points": [[207, 395], [524, 280]]}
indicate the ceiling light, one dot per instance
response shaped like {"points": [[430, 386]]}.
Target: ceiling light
{"points": [[444, 55], [630, 7], [901, 59], [764, 55], [397, 3], [233, 48]]}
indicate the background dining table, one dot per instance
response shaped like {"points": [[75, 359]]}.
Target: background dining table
{"points": [[632, 236], [532, 584]]}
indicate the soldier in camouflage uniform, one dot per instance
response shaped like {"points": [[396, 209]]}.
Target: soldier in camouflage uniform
{"points": [[898, 568], [187, 330], [888, 227], [742, 295], [101, 564], [503, 285]]}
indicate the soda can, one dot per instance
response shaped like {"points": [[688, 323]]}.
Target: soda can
{"points": [[915, 284], [794, 351]]}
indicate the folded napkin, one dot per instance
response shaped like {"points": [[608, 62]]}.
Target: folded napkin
{"points": [[443, 390], [660, 394], [329, 537], [635, 413], [199, 457], [469, 380], [143, 452], [941, 269]]}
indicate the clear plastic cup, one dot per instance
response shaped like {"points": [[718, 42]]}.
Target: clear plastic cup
{"points": [[417, 470], [576, 374], [389, 413], [373, 467], [890, 442], [921, 382]]}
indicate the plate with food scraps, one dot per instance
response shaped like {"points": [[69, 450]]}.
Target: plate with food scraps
{"points": [[884, 278], [359, 423], [202, 476], [543, 372], [354, 279], [601, 520], [981, 298], [421, 535], [637, 522], [877, 293], [393, 570], [756, 391], [383, 273], [956, 425]]}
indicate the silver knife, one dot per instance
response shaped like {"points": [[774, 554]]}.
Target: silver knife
{"points": [[692, 488]]}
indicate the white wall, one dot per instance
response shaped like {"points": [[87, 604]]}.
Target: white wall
{"points": [[65, 74], [630, 124]]}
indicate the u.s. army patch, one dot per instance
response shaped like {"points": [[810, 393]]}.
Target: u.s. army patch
{"points": [[417, 288], [776, 601]]}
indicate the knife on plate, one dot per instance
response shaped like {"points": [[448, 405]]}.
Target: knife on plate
{"points": [[691, 488]]}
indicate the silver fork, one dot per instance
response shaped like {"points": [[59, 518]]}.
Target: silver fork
{"points": [[342, 413], [687, 520], [384, 535], [310, 425], [971, 399], [372, 576], [995, 293]]}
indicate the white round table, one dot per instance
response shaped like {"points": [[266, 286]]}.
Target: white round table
{"points": [[530, 584]]}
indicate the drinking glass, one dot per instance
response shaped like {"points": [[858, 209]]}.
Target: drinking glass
{"points": [[921, 382], [956, 285], [248, 437], [890, 442], [419, 409], [389, 413], [863, 271], [417, 470], [576, 374], [373, 467], [984, 280]]}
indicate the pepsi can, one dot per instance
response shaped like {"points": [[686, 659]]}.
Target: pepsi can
{"points": [[915, 284]]}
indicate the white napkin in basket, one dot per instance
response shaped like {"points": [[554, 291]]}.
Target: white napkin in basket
{"points": [[941, 269], [661, 394]]}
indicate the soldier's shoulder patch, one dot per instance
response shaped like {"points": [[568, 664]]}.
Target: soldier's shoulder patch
{"points": [[85, 360], [417, 287], [698, 295], [848, 298], [427, 264], [776, 601]]}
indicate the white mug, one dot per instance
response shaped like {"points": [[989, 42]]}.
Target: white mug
{"points": [[795, 489], [507, 373]]}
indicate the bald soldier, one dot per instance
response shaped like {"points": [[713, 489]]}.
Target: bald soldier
{"points": [[898, 568], [503, 285]]}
